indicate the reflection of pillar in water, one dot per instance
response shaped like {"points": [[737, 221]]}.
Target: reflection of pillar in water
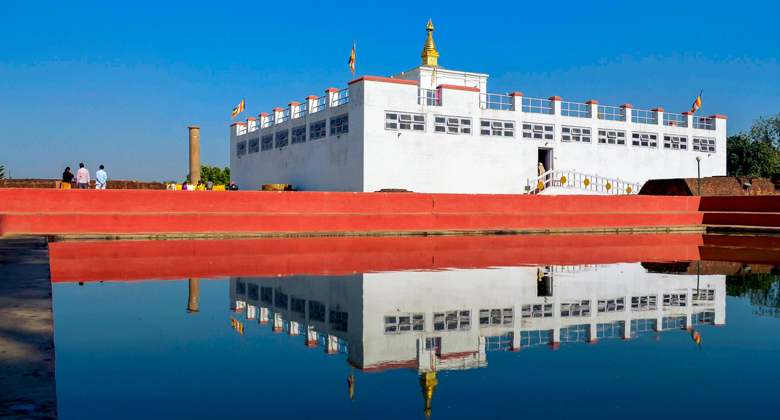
{"points": [[428, 383], [192, 303]]}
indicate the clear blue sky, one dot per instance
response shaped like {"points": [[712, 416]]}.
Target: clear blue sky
{"points": [[118, 83]]}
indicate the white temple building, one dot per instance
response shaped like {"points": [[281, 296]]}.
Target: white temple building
{"points": [[436, 130]]}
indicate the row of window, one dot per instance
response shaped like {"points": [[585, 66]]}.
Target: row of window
{"points": [[448, 321], [318, 130], [458, 125], [317, 312], [638, 303]]}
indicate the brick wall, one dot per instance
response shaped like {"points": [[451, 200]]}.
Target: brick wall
{"points": [[55, 183], [710, 186]]}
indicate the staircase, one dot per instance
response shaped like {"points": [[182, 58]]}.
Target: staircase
{"points": [[580, 183]]}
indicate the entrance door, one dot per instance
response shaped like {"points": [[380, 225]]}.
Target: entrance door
{"points": [[545, 158]]}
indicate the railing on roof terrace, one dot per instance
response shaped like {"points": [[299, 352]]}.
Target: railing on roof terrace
{"points": [[320, 104], [285, 115], [642, 117], [675, 120], [241, 130], [573, 109], [537, 106], [428, 97], [703, 123], [610, 113], [341, 98], [495, 101], [269, 121], [302, 110], [574, 179]]}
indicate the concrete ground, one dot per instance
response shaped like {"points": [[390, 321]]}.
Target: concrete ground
{"points": [[27, 386]]}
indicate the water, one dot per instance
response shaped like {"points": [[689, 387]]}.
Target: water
{"points": [[451, 340]]}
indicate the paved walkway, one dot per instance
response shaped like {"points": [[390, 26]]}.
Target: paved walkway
{"points": [[27, 386]]}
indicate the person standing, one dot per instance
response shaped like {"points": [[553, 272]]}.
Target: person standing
{"points": [[233, 186], [100, 179], [67, 178], [82, 177]]}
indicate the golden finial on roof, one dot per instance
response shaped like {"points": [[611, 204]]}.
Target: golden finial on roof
{"points": [[430, 57], [428, 382]]}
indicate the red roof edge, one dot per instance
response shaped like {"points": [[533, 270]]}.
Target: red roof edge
{"points": [[657, 110], [626, 106], [385, 80], [455, 87], [554, 98], [723, 117], [516, 94], [592, 102]]}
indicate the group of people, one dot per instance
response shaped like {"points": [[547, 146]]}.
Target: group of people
{"points": [[82, 178]]}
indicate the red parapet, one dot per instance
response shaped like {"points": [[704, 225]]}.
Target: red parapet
{"points": [[592, 102], [384, 80], [456, 87], [554, 98]]}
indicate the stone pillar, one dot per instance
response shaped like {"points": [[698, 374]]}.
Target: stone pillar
{"points": [[194, 154], [593, 110], [658, 115], [192, 303], [330, 96], [687, 120], [293, 109], [626, 112], [264, 117], [555, 105], [310, 101], [278, 114], [516, 99]]}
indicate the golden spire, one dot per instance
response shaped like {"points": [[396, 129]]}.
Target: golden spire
{"points": [[428, 383], [430, 57]]}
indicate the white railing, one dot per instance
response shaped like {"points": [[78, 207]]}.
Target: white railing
{"points": [[269, 121], [285, 115], [341, 98], [703, 123], [495, 101], [589, 182], [537, 106], [642, 117], [241, 130], [610, 113], [573, 109], [320, 104], [428, 97], [302, 108], [674, 120]]}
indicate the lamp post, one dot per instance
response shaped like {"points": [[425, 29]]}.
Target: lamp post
{"points": [[698, 172]]}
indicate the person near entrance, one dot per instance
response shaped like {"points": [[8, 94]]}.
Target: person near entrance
{"points": [[541, 169], [67, 178]]}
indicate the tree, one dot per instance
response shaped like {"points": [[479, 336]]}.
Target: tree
{"points": [[213, 174], [767, 130], [746, 156], [2, 172]]}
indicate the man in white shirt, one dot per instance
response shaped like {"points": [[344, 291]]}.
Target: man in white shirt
{"points": [[82, 177], [100, 179]]}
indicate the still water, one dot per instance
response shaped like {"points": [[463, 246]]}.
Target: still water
{"points": [[646, 339]]}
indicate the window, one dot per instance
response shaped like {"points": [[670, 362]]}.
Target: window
{"points": [[453, 125], [240, 288], [408, 122], [267, 142], [316, 311], [675, 300], [241, 148], [339, 125], [612, 137], [575, 308], [538, 131], [280, 299], [675, 142], [282, 138], [266, 294], [404, 323], [496, 316], [452, 321], [644, 303], [497, 128], [537, 311], [299, 134], [317, 130], [644, 139], [339, 320], [704, 145], [576, 134], [298, 305], [612, 305], [704, 294], [254, 145]]}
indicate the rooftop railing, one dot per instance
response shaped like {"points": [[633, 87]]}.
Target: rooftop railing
{"points": [[495, 101], [341, 97], [703, 123], [319, 104], [675, 120], [642, 117], [610, 113], [285, 115], [573, 109], [302, 110], [536, 106], [428, 97]]}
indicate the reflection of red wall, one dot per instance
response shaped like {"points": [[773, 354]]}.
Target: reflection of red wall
{"points": [[139, 260]]}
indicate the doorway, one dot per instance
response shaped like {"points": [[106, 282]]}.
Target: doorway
{"points": [[545, 158]]}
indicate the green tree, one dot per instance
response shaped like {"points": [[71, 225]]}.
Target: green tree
{"points": [[213, 174], [2, 172], [767, 130], [749, 157]]}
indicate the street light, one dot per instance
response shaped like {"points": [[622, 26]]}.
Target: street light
{"points": [[698, 175]]}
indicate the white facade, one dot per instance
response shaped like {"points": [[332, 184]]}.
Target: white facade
{"points": [[373, 154], [452, 318]]}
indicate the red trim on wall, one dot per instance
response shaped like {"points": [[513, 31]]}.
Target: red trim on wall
{"points": [[331, 90], [516, 94], [626, 106], [278, 109], [592, 102], [657, 110], [554, 98], [455, 87], [312, 97], [293, 104], [723, 117], [311, 343], [385, 80]]}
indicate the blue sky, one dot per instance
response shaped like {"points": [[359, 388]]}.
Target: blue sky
{"points": [[118, 83]]}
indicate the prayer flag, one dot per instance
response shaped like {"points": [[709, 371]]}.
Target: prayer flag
{"points": [[697, 103], [352, 58], [239, 109]]}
